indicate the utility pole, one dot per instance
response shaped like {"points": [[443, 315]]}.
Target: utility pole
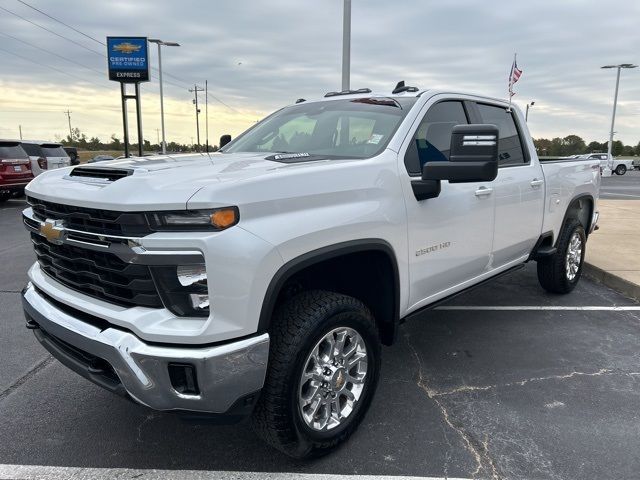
{"points": [[529, 105], [206, 113], [20, 128], [195, 91], [158, 135], [69, 118], [346, 45]]}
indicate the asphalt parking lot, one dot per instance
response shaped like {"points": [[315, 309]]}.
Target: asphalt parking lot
{"points": [[621, 187], [481, 387]]}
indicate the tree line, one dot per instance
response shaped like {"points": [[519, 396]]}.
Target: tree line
{"points": [[81, 142], [575, 145]]}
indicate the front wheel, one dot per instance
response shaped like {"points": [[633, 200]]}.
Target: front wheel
{"points": [[621, 169], [561, 272], [324, 365]]}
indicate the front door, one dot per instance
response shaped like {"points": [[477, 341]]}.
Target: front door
{"points": [[450, 236]]}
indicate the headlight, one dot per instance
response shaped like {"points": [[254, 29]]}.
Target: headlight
{"points": [[183, 289], [216, 219]]}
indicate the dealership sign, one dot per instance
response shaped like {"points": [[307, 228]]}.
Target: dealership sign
{"points": [[128, 59]]}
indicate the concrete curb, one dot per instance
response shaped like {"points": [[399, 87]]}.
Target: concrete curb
{"points": [[615, 282]]}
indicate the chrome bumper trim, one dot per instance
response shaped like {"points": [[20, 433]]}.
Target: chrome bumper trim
{"points": [[225, 373]]}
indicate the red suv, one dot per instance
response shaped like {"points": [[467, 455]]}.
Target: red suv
{"points": [[15, 170]]}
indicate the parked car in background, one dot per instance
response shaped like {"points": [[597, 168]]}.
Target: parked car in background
{"points": [[73, 155], [618, 166], [15, 169], [100, 158], [45, 155]]}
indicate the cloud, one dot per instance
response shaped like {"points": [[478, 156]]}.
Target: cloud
{"points": [[258, 56]]}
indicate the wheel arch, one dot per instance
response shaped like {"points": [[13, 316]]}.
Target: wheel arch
{"points": [[580, 207], [331, 268]]}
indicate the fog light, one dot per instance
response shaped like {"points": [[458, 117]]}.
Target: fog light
{"points": [[192, 274], [199, 301]]}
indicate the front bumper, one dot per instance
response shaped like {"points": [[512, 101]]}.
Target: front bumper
{"points": [[119, 361]]}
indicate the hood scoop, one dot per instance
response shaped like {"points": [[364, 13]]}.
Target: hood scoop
{"points": [[101, 174]]}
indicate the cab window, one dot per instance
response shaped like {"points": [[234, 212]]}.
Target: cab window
{"points": [[432, 140], [510, 148]]}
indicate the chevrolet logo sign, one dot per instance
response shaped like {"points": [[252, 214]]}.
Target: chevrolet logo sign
{"points": [[53, 231]]}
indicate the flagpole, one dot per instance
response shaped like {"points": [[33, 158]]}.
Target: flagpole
{"points": [[511, 81]]}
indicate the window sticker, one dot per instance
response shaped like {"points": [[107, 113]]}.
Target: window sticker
{"points": [[375, 138]]}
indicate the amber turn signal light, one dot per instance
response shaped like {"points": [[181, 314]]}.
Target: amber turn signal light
{"points": [[224, 218]]}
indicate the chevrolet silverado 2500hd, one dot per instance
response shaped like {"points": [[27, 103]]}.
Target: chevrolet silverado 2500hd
{"points": [[261, 280]]}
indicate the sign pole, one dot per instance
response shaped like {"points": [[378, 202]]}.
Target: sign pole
{"points": [[139, 121], [123, 92]]}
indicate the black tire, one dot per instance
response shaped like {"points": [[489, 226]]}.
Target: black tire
{"points": [[4, 197], [552, 271], [621, 169], [298, 325]]}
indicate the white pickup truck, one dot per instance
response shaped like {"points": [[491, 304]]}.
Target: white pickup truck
{"points": [[261, 280], [619, 166]]}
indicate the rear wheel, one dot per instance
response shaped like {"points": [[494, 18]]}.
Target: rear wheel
{"points": [[561, 272], [621, 169], [324, 364]]}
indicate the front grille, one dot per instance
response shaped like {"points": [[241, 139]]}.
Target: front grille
{"points": [[105, 222], [98, 274]]}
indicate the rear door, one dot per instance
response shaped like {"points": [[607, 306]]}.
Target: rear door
{"points": [[450, 235], [518, 189], [55, 155]]}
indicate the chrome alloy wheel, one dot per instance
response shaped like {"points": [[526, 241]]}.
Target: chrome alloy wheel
{"points": [[574, 256], [333, 379]]}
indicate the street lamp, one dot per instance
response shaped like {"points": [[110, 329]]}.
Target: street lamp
{"points": [[526, 115], [615, 102], [160, 43]]}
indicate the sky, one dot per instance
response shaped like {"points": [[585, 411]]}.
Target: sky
{"points": [[258, 56]]}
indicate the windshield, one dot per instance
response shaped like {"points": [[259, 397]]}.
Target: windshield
{"points": [[346, 128]]}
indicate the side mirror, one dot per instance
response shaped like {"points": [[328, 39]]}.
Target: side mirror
{"points": [[473, 157], [224, 139]]}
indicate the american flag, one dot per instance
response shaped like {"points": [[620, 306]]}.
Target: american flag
{"points": [[514, 76]]}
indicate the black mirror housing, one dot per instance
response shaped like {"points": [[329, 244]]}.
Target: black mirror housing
{"points": [[224, 139], [473, 156]]}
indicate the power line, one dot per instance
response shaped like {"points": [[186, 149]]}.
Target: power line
{"points": [[223, 103], [61, 22], [51, 31], [88, 36], [51, 53], [48, 66]]}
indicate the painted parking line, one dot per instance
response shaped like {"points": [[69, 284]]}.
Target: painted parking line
{"points": [[33, 472], [508, 308]]}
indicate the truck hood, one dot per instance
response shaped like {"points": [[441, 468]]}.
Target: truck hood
{"points": [[155, 183]]}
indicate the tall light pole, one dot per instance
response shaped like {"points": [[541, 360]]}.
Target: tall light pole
{"points": [[615, 102], [346, 45], [160, 43], [526, 115]]}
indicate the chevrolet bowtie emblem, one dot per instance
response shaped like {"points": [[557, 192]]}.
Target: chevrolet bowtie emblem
{"points": [[53, 231]]}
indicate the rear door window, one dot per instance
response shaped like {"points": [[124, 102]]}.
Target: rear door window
{"points": [[12, 151], [510, 147], [432, 140]]}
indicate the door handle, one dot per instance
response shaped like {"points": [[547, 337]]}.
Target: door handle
{"points": [[483, 191], [536, 182]]}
